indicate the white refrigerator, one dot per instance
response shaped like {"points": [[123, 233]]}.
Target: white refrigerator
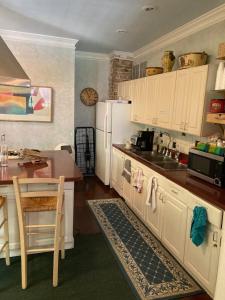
{"points": [[113, 126]]}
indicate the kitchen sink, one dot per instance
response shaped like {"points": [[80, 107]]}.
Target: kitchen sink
{"points": [[170, 165], [159, 160]]}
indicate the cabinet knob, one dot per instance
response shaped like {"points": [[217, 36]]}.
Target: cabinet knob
{"points": [[215, 245]]}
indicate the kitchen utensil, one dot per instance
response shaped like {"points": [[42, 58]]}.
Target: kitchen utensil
{"points": [[221, 51], [153, 71], [217, 106], [192, 59]]}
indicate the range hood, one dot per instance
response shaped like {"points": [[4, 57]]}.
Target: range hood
{"points": [[11, 72]]}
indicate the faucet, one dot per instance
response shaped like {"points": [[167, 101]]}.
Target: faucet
{"points": [[166, 133]]}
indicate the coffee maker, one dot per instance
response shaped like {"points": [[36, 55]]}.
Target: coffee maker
{"points": [[145, 140]]}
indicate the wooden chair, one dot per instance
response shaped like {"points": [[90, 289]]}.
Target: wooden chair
{"points": [[4, 223], [39, 201]]}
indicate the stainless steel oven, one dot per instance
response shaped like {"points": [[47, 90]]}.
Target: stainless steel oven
{"points": [[207, 166]]}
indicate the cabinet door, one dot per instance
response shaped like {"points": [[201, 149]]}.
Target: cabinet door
{"points": [[165, 99], [139, 199], [202, 261], [138, 100], [116, 171], [154, 219], [180, 100], [120, 90], [196, 99], [151, 101], [174, 225]]}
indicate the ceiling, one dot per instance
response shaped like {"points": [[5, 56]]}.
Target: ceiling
{"points": [[94, 22]]}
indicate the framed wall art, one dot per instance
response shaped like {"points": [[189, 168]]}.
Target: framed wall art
{"points": [[26, 104]]}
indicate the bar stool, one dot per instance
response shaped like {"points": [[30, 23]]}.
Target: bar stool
{"points": [[4, 223], [40, 201]]}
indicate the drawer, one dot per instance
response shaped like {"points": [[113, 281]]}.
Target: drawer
{"points": [[174, 190]]}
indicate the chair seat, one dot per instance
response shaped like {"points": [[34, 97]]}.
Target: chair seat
{"points": [[36, 204]]}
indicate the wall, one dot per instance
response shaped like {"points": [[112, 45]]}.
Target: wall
{"points": [[120, 70], [206, 40], [90, 72], [46, 66]]}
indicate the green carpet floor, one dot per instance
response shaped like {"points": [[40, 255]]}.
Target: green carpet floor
{"points": [[89, 272]]}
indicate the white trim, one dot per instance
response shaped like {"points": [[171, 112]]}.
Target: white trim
{"points": [[206, 20], [54, 41], [92, 55]]}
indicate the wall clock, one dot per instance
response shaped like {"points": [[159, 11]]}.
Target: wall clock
{"points": [[89, 96]]}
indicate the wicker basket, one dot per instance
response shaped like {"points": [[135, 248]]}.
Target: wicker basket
{"points": [[221, 51]]}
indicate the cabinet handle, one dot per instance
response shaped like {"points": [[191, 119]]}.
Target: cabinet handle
{"points": [[182, 125], [174, 192], [186, 126], [215, 245], [160, 196]]}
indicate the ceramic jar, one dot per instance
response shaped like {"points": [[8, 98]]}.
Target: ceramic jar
{"points": [[168, 61]]}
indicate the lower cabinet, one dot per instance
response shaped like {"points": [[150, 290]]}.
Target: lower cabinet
{"points": [[171, 223], [139, 199], [153, 219], [117, 164], [202, 261], [174, 225]]}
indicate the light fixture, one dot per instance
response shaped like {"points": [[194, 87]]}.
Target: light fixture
{"points": [[148, 8], [121, 31]]}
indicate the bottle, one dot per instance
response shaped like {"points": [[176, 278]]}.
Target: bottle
{"points": [[3, 152]]}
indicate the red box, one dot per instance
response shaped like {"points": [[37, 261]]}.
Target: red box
{"points": [[217, 106]]}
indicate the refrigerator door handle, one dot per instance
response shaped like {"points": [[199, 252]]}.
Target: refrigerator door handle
{"points": [[105, 131]]}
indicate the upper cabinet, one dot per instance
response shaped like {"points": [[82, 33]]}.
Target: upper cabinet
{"points": [[165, 98], [189, 101], [173, 100], [138, 96]]}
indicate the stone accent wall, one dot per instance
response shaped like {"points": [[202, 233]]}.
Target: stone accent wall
{"points": [[121, 70]]}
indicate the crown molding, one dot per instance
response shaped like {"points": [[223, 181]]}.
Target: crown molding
{"points": [[92, 55], [48, 40], [206, 20]]}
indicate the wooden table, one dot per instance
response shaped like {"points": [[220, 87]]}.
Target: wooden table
{"points": [[58, 163]]}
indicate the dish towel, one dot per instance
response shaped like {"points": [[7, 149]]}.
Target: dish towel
{"points": [[151, 199], [127, 170], [199, 225], [138, 180]]}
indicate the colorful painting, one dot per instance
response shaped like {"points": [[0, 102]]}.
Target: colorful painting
{"points": [[25, 104]]}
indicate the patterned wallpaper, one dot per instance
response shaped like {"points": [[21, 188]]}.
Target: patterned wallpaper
{"points": [[46, 66]]}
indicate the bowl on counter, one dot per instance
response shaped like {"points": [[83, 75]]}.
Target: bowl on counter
{"points": [[149, 71], [192, 59]]}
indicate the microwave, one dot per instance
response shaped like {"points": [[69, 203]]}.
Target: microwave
{"points": [[207, 166]]}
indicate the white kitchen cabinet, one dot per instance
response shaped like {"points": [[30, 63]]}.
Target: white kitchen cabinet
{"points": [[117, 164], [165, 99], [202, 261], [189, 100], [153, 219], [180, 100], [174, 225], [139, 198], [196, 100], [127, 192], [171, 223], [151, 101], [124, 90], [138, 100]]}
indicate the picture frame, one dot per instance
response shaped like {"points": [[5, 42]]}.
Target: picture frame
{"points": [[32, 104]]}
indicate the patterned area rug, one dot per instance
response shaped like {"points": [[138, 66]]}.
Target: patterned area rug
{"points": [[153, 272]]}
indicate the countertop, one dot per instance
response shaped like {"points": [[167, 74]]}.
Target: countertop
{"points": [[59, 163], [206, 191]]}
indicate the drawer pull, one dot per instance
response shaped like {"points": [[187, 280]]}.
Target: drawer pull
{"points": [[174, 192]]}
